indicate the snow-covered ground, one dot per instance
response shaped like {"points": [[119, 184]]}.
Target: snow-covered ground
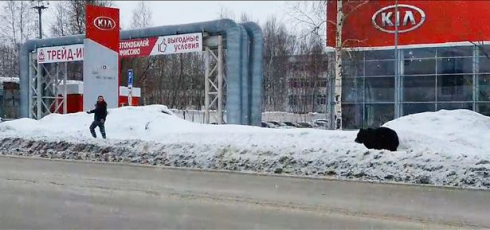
{"points": [[440, 148]]}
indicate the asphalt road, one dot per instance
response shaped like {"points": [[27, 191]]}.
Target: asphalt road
{"points": [[44, 194]]}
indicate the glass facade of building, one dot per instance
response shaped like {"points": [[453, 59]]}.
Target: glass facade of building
{"points": [[430, 79]]}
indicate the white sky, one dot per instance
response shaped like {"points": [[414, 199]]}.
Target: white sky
{"points": [[181, 12]]}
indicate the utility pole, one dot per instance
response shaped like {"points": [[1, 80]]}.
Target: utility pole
{"points": [[40, 7], [398, 84]]}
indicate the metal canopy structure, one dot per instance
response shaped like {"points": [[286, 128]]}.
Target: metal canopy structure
{"points": [[214, 83], [48, 92], [243, 62]]}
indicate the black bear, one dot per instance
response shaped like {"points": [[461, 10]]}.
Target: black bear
{"points": [[378, 138]]}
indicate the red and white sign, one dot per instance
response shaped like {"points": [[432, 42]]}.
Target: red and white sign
{"points": [[372, 23], [60, 54], [101, 50], [136, 47], [408, 17], [183, 43], [102, 25], [175, 44]]}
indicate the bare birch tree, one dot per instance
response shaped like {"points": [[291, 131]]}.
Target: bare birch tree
{"points": [[312, 15], [76, 13], [18, 25], [279, 45], [142, 15], [60, 25], [344, 10]]}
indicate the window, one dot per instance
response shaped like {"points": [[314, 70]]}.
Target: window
{"points": [[419, 53], [352, 116], [452, 106], [484, 65], [292, 100], [484, 108], [321, 99], [419, 66], [322, 83], [412, 108], [484, 87], [380, 68], [380, 89], [454, 65], [378, 114], [419, 88], [380, 54], [483, 51], [353, 69], [460, 51], [351, 55], [353, 90], [455, 88]]}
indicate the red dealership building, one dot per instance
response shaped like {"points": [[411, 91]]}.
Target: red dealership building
{"points": [[442, 57]]}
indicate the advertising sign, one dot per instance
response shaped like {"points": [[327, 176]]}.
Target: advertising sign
{"points": [[185, 43], [143, 47], [372, 23], [101, 60], [60, 54]]}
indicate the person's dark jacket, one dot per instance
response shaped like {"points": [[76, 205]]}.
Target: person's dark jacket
{"points": [[100, 111]]}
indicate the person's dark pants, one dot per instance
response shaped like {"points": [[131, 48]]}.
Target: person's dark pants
{"points": [[101, 127]]}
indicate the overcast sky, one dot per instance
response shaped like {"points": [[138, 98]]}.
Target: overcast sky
{"points": [[181, 12]]}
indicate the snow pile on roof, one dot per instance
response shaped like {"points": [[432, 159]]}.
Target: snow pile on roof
{"points": [[9, 79], [441, 148]]}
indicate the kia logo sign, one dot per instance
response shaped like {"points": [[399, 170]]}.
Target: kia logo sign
{"points": [[408, 18], [104, 23]]}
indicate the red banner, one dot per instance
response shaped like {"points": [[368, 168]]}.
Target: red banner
{"points": [[371, 23], [102, 25], [136, 47]]}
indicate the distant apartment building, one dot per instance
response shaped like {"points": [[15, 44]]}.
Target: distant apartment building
{"points": [[307, 84]]}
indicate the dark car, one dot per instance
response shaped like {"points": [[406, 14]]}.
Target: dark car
{"points": [[321, 123], [305, 125], [291, 124], [274, 123], [268, 125]]}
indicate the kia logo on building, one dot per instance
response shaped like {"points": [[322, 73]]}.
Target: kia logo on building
{"points": [[104, 23], [408, 18]]}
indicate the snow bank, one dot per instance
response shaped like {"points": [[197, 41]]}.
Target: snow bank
{"points": [[441, 148], [449, 131]]}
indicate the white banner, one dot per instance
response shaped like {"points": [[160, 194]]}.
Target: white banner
{"points": [[174, 44], [183, 43], [60, 54]]}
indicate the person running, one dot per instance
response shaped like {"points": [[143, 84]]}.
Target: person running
{"points": [[100, 114]]}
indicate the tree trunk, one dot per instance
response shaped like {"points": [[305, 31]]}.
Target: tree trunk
{"points": [[338, 66]]}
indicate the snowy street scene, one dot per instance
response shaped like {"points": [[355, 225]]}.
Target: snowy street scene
{"points": [[324, 114], [444, 148]]}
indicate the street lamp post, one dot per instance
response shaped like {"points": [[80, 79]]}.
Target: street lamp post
{"points": [[40, 7]]}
